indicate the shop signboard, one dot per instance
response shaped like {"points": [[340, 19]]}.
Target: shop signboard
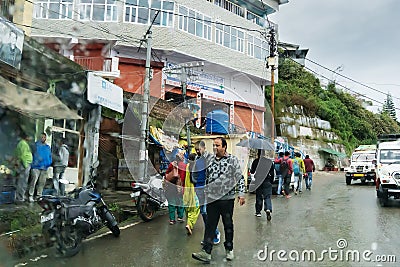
{"points": [[105, 93]]}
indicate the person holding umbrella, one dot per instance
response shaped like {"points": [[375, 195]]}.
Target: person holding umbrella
{"points": [[263, 171]]}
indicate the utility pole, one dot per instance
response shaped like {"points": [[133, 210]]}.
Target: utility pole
{"points": [[145, 112], [143, 157], [271, 63]]}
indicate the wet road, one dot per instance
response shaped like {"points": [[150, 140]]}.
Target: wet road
{"points": [[328, 226]]}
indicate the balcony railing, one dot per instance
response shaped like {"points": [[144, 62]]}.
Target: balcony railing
{"points": [[101, 64], [240, 11]]}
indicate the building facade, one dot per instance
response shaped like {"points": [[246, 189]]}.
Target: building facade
{"points": [[228, 38]]}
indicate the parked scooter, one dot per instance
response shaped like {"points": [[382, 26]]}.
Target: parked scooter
{"points": [[67, 220], [149, 197]]}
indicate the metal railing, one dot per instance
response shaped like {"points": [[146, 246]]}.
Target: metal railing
{"points": [[240, 11], [95, 63]]}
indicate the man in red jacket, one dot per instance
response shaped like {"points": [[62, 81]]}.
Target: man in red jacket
{"points": [[310, 168], [286, 168]]}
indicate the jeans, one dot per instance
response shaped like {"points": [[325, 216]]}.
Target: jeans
{"points": [[22, 183], [263, 194], [216, 209], [298, 182], [286, 183], [57, 176], [308, 180], [39, 177], [280, 183]]}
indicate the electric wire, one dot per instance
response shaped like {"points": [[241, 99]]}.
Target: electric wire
{"points": [[348, 78]]}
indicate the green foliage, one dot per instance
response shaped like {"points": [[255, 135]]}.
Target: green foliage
{"points": [[388, 107], [353, 123]]}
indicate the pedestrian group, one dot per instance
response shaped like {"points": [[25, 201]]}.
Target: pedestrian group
{"points": [[208, 184], [32, 165]]}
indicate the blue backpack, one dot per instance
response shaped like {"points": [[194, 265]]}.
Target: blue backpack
{"points": [[296, 167]]}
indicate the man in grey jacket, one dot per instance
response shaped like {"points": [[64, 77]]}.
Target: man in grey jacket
{"points": [[60, 164], [223, 177]]}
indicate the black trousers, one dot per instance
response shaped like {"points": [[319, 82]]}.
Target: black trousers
{"points": [[216, 209]]}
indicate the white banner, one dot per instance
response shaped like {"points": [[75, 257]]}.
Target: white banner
{"points": [[105, 93]]}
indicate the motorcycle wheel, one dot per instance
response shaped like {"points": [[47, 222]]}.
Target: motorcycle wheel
{"points": [[69, 241], [145, 209], [111, 222]]}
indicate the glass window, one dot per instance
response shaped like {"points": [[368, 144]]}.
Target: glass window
{"points": [[257, 47], [53, 9], [143, 12], [98, 10], [194, 23]]}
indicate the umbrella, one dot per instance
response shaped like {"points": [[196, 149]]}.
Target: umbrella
{"points": [[256, 143]]}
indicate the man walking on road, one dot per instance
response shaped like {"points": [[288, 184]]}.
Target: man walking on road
{"points": [[286, 168], [223, 175], [199, 177], [310, 168], [263, 170]]}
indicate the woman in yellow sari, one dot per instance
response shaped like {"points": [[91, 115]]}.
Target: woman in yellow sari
{"points": [[190, 200]]}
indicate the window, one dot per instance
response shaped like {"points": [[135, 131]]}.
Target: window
{"points": [[53, 9], [143, 12], [98, 10], [257, 48], [229, 37], [69, 131], [194, 23]]}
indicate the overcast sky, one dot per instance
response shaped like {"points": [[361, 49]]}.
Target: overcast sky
{"points": [[360, 37]]}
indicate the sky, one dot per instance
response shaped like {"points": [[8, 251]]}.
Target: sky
{"points": [[360, 39]]}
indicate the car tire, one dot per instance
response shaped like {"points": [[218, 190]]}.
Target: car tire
{"points": [[348, 180]]}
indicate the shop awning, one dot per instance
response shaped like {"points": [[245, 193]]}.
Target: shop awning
{"points": [[333, 152], [32, 103]]}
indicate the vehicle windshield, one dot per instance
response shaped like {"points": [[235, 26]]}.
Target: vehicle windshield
{"points": [[362, 157], [389, 156]]}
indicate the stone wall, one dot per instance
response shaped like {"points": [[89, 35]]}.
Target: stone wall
{"points": [[309, 134]]}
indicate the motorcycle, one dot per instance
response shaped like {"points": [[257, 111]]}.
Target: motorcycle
{"points": [[149, 197], [67, 220]]}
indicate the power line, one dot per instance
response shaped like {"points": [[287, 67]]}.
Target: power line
{"points": [[336, 83], [343, 76]]}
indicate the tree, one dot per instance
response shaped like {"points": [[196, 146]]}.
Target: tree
{"points": [[388, 107]]}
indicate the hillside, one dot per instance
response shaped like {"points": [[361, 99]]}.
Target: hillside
{"points": [[353, 123]]}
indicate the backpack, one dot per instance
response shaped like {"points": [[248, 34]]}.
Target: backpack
{"points": [[296, 167], [284, 168]]}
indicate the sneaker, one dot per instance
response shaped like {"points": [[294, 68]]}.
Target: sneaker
{"points": [[188, 230], [300, 192], [217, 239], [171, 222], [295, 192], [268, 214], [180, 220], [202, 256], [31, 199], [258, 214], [229, 255], [202, 242]]}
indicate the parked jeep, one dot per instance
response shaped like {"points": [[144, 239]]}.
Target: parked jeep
{"points": [[362, 165]]}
